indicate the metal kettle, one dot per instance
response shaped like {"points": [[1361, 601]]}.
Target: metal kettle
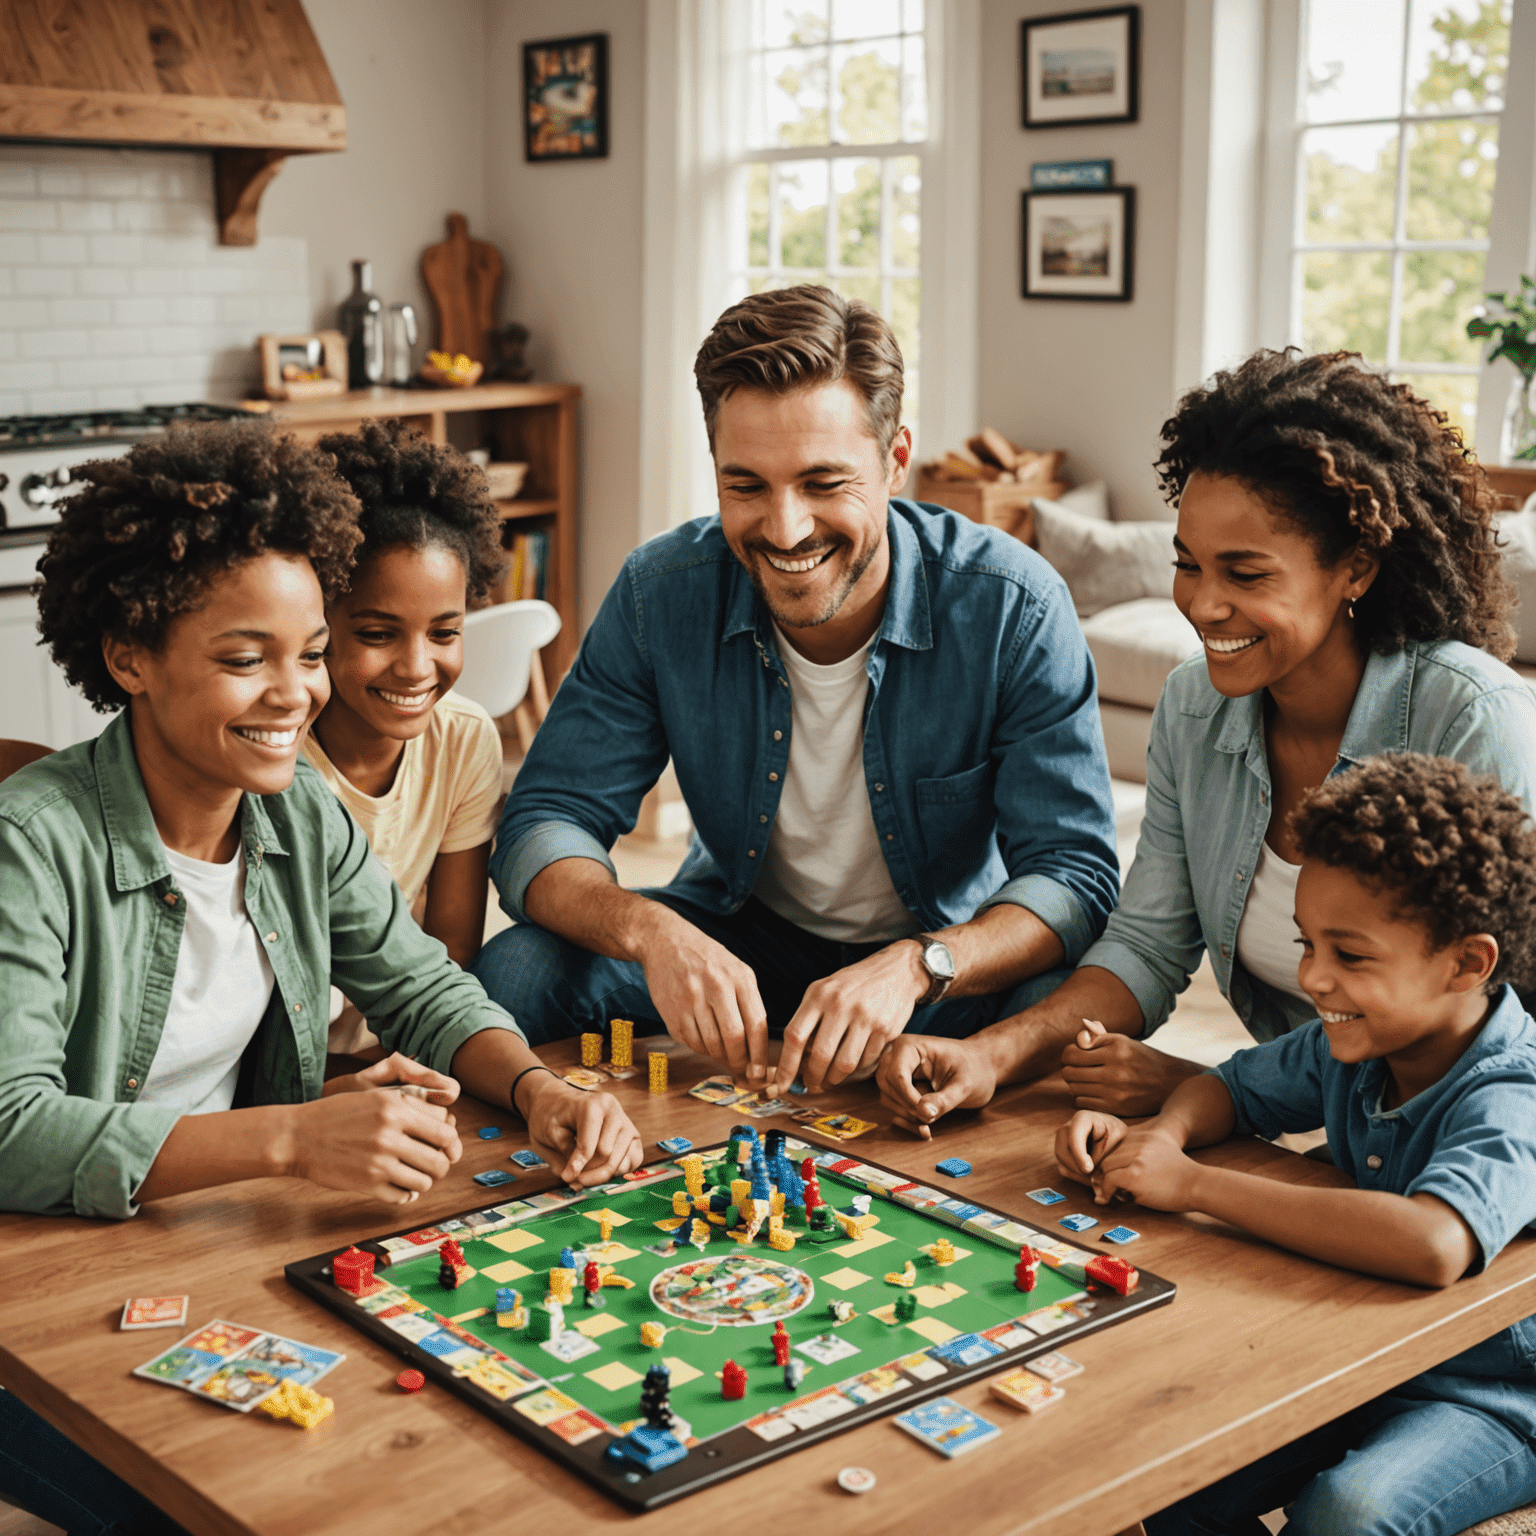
{"points": [[400, 334]]}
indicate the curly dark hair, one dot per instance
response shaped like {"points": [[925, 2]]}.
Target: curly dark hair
{"points": [[418, 493], [1352, 460], [1457, 852], [141, 542]]}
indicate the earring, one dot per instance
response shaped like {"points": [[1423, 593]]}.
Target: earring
{"points": [[1351, 609]]}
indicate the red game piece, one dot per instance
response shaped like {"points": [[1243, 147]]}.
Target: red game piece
{"points": [[449, 1252], [780, 1345], [812, 1192], [1115, 1273], [1027, 1271], [353, 1270], [410, 1381], [733, 1382]]}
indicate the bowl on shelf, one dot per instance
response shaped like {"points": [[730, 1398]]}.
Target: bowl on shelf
{"points": [[505, 480], [451, 372]]}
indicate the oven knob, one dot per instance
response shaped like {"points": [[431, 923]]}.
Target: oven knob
{"points": [[43, 490]]}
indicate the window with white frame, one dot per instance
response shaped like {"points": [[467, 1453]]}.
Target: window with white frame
{"points": [[827, 185], [1400, 110]]}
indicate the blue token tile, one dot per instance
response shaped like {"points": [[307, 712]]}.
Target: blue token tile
{"points": [[490, 1132], [1046, 1197], [1079, 1223], [955, 1167], [495, 1176], [676, 1145], [528, 1159], [1121, 1235]]}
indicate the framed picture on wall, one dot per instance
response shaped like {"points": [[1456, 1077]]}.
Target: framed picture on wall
{"points": [[565, 98], [1082, 67], [1080, 243]]}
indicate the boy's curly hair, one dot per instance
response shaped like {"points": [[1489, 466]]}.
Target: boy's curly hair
{"points": [[141, 542], [418, 493], [1352, 460], [1458, 853]]}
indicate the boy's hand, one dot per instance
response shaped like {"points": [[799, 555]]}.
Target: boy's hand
{"points": [[587, 1137], [391, 1072], [1148, 1165], [384, 1145], [1083, 1141]]}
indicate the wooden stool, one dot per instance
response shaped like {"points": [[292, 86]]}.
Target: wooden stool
{"points": [[1518, 1522]]}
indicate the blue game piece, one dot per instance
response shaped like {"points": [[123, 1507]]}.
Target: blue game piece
{"points": [[528, 1159], [1078, 1223], [955, 1167], [567, 1258], [493, 1177], [506, 1299], [490, 1132], [648, 1448], [1046, 1197], [676, 1145], [1121, 1235]]}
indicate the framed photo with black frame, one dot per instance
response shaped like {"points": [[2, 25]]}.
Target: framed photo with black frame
{"points": [[1079, 243], [565, 98], [1082, 67]]}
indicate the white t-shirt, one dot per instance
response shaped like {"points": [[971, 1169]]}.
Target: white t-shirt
{"points": [[1267, 936], [222, 987], [823, 869]]}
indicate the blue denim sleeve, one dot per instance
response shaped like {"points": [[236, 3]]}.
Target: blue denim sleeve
{"points": [[1055, 812], [1496, 733], [1278, 1087], [1484, 1163], [600, 749], [1154, 941]]}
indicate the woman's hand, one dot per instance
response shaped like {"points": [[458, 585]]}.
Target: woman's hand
{"points": [[587, 1137], [390, 1073], [384, 1145], [1112, 1072], [1082, 1142]]}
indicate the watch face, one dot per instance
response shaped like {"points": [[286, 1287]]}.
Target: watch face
{"points": [[939, 961]]}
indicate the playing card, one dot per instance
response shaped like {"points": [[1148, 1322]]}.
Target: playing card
{"points": [[766, 1107], [947, 1427], [719, 1090], [1055, 1367], [584, 1077], [154, 1312], [238, 1367], [1022, 1390], [841, 1127]]}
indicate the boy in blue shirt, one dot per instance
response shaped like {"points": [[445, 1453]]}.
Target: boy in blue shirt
{"points": [[1414, 904]]}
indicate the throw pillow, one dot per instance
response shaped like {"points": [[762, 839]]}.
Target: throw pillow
{"points": [[1105, 563], [1517, 540], [1091, 500]]}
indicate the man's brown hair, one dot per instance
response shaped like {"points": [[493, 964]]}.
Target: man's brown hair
{"points": [[791, 338]]}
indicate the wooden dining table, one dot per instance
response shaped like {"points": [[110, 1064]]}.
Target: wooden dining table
{"points": [[1259, 1346]]}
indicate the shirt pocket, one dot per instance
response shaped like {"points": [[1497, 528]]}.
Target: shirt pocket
{"points": [[957, 819]]}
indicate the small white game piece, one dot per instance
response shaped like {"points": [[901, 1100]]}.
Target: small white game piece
{"points": [[855, 1479]]}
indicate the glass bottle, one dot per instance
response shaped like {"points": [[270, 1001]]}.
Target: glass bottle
{"points": [[362, 323]]}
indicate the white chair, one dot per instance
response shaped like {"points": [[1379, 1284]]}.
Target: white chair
{"points": [[501, 661]]}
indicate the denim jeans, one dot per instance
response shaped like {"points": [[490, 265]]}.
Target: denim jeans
{"points": [[556, 989], [49, 1476], [1396, 1466]]}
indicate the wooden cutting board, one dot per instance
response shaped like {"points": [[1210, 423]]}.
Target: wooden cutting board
{"points": [[464, 278]]}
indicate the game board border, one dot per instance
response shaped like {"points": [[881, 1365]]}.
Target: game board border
{"points": [[733, 1451]]}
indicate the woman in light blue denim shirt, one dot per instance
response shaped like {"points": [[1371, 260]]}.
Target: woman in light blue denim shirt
{"points": [[1336, 553]]}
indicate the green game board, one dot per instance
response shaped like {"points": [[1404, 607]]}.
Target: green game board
{"points": [[891, 1366]]}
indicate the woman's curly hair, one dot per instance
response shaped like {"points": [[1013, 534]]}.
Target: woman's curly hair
{"points": [[1458, 853], [140, 544], [1355, 461], [417, 493]]}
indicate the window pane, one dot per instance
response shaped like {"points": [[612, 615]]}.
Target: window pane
{"points": [[906, 293], [1440, 291], [1451, 168], [1354, 55], [914, 90], [1344, 302], [912, 18], [865, 289], [906, 211], [803, 213], [865, 18], [858, 212], [868, 79], [1351, 182], [792, 88], [1458, 54], [787, 22], [757, 215], [1453, 393]]}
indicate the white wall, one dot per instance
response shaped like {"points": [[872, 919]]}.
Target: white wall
{"points": [[571, 235], [1093, 378]]}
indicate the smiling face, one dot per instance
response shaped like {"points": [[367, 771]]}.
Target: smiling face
{"points": [[1381, 986], [1252, 585], [803, 489], [220, 708], [397, 642]]}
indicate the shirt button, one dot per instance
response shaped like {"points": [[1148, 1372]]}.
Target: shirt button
{"points": [[133, 1082], [170, 898], [1239, 877], [271, 938], [773, 778], [879, 789], [1373, 1161], [751, 853], [763, 819], [778, 735], [1226, 954], [298, 1007], [890, 837]]}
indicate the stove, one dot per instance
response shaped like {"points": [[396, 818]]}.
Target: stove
{"points": [[38, 455]]}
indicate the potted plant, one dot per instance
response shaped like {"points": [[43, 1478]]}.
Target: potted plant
{"points": [[1516, 340]]}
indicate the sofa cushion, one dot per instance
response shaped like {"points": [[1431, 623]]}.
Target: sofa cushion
{"points": [[1091, 500], [1105, 563], [1517, 537], [1136, 645]]}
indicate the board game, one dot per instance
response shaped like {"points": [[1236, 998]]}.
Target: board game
{"points": [[887, 1293]]}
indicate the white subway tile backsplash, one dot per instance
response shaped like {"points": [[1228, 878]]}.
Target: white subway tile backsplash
{"points": [[114, 290]]}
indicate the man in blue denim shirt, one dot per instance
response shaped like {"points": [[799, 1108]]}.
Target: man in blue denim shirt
{"points": [[883, 722]]}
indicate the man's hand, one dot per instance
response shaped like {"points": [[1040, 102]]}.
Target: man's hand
{"points": [[706, 997], [392, 1071], [1082, 1142], [377, 1143], [847, 1019], [960, 1074], [1119, 1075], [1149, 1165], [586, 1137]]}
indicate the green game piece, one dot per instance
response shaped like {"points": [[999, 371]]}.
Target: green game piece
{"points": [[906, 1307], [821, 1218], [540, 1325], [732, 1218]]}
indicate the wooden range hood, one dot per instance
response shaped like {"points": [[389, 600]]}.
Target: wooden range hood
{"points": [[244, 78]]}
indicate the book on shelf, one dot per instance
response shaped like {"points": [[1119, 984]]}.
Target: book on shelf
{"points": [[530, 558]]}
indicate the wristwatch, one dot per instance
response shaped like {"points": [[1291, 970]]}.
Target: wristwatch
{"points": [[939, 964]]}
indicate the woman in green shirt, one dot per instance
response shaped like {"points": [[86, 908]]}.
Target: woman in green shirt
{"points": [[177, 895]]}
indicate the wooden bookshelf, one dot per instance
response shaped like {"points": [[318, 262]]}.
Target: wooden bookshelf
{"points": [[533, 424]]}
